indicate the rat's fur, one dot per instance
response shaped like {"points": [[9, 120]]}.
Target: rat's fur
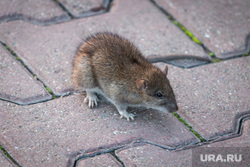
{"points": [[110, 65]]}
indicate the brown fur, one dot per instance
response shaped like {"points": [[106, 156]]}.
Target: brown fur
{"points": [[113, 65]]}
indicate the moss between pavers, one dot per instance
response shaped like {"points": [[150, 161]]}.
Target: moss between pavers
{"points": [[26, 67], [246, 54], [8, 155], [187, 32], [18, 59], [190, 127], [184, 29], [50, 91]]}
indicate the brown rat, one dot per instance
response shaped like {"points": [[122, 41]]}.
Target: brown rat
{"points": [[110, 65]]}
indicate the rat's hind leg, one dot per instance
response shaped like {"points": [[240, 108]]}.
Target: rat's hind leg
{"points": [[91, 98], [83, 79]]}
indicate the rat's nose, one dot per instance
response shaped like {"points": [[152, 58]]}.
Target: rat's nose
{"points": [[173, 107]]}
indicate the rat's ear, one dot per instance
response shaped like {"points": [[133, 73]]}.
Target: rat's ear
{"points": [[165, 70], [142, 84]]}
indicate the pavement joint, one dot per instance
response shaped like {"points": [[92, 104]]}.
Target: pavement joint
{"points": [[105, 7], [170, 60], [182, 61], [117, 158], [64, 9], [5, 152], [181, 27], [77, 157], [82, 152], [22, 17], [239, 53], [240, 121], [58, 19], [189, 126], [238, 131], [31, 72], [235, 54]]}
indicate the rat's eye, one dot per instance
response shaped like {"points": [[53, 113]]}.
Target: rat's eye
{"points": [[158, 95]]}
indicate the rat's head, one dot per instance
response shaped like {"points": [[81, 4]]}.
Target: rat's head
{"points": [[156, 91]]}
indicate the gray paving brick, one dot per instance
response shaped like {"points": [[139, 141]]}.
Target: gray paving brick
{"points": [[49, 51], [210, 97], [85, 8], [48, 134], [17, 84], [100, 161], [221, 25], [39, 12]]}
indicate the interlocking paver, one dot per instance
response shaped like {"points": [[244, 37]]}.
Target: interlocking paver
{"points": [[79, 8], [234, 146], [17, 84], [49, 51], [221, 25], [5, 162], [100, 161], [154, 156], [41, 12], [46, 134], [241, 141], [210, 96], [58, 132]]}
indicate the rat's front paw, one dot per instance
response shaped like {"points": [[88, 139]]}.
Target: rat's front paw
{"points": [[92, 99], [126, 115]]}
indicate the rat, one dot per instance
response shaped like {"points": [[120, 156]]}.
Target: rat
{"points": [[112, 66]]}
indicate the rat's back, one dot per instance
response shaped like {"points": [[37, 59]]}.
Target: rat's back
{"points": [[110, 65], [112, 50]]}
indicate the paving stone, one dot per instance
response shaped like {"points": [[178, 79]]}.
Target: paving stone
{"points": [[40, 12], [103, 160], [17, 84], [79, 8], [234, 146], [49, 51], [5, 162], [221, 25], [154, 156], [241, 141], [48, 133], [209, 97]]}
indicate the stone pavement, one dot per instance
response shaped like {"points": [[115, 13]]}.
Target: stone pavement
{"points": [[43, 122]]}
